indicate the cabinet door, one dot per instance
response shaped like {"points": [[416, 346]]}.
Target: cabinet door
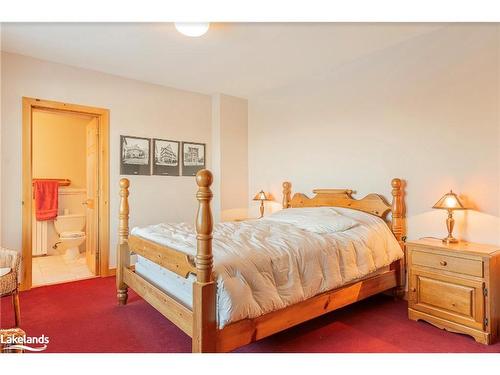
{"points": [[452, 298]]}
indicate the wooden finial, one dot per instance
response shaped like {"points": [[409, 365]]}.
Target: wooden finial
{"points": [[204, 226], [287, 191], [396, 183]]}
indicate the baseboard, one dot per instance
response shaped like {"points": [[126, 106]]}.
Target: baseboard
{"points": [[111, 272]]}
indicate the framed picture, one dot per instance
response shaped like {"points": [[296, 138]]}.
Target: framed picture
{"points": [[166, 157], [135, 155], [193, 158]]}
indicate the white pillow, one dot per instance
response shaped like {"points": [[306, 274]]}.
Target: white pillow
{"points": [[314, 219]]}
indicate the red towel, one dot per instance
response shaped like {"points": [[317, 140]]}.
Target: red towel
{"points": [[46, 199]]}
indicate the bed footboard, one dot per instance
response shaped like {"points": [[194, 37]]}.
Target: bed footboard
{"points": [[200, 322]]}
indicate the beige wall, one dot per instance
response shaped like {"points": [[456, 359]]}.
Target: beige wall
{"points": [[60, 147], [425, 110], [136, 108], [230, 144]]}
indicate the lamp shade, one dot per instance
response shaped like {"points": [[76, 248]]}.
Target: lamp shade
{"points": [[449, 201], [261, 196]]}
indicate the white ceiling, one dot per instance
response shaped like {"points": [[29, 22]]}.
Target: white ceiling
{"points": [[240, 59]]}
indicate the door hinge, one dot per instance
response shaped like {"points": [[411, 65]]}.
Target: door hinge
{"points": [[485, 292], [486, 322]]}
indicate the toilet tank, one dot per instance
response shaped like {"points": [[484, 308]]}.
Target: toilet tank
{"points": [[69, 223], [70, 200]]}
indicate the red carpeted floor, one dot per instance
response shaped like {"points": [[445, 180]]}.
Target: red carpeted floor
{"points": [[83, 317]]}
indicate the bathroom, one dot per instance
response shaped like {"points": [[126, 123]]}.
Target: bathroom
{"points": [[64, 170]]}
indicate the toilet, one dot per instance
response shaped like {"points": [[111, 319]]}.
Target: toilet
{"points": [[69, 228]]}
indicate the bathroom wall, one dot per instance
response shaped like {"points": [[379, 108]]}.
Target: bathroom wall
{"points": [[59, 146], [59, 151]]}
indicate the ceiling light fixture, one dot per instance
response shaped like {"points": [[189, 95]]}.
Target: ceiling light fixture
{"points": [[192, 28]]}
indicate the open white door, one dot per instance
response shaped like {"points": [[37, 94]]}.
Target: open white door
{"points": [[92, 243]]}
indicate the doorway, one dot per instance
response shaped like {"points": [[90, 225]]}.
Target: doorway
{"points": [[65, 148]]}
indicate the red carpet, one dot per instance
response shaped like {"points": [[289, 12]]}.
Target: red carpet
{"points": [[83, 317]]}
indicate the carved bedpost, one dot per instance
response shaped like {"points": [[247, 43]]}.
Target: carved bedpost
{"points": [[399, 229], [123, 254], [204, 289], [287, 192]]}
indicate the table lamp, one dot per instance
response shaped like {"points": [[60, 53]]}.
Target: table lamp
{"points": [[261, 196], [449, 202]]}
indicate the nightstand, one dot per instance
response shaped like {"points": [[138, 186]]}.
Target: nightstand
{"points": [[455, 287]]}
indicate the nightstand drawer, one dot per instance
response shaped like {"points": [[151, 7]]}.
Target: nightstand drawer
{"points": [[472, 267], [451, 298]]}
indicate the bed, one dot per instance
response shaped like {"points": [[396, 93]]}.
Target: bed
{"points": [[234, 283]]}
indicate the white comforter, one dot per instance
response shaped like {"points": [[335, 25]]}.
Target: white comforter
{"points": [[264, 265]]}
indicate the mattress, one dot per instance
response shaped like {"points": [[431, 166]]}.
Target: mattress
{"points": [[265, 265]]}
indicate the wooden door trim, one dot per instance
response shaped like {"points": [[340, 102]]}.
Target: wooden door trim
{"points": [[29, 104]]}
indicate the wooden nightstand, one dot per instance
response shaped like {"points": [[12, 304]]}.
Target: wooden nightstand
{"points": [[455, 287]]}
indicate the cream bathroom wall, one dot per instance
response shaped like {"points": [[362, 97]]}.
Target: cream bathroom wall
{"points": [[59, 144], [136, 108], [425, 110]]}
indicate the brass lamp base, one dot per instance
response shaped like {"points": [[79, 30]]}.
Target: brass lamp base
{"points": [[450, 223], [448, 240]]}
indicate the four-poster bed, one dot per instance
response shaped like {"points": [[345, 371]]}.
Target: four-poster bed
{"points": [[200, 321]]}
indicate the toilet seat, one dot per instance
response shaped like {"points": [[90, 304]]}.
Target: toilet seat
{"points": [[74, 234]]}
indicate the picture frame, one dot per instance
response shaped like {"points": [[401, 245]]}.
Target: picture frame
{"points": [[166, 157], [193, 158], [135, 155]]}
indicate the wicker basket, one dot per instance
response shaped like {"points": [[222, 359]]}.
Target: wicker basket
{"points": [[9, 259]]}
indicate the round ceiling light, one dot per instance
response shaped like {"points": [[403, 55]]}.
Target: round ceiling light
{"points": [[192, 28]]}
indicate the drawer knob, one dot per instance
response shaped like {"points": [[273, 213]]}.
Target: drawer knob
{"points": [[443, 263], [413, 290]]}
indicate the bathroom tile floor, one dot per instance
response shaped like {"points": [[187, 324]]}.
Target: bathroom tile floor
{"points": [[54, 269]]}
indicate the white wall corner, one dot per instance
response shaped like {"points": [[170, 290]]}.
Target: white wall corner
{"points": [[216, 157], [230, 157]]}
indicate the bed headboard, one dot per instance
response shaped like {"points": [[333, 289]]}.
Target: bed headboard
{"points": [[374, 204]]}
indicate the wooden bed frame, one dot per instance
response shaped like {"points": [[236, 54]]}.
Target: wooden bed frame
{"points": [[200, 321]]}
